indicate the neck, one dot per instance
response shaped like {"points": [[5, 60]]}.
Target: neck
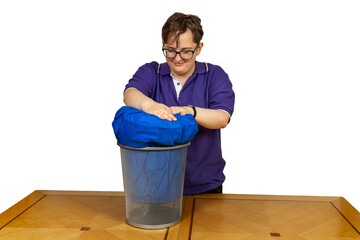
{"points": [[185, 77]]}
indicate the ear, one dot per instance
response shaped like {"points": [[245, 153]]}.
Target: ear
{"points": [[198, 50]]}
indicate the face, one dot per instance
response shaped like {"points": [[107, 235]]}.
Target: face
{"points": [[182, 68]]}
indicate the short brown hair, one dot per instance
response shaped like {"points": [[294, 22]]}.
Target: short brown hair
{"points": [[178, 23]]}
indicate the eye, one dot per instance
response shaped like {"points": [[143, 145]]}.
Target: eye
{"points": [[187, 52], [169, 53]]}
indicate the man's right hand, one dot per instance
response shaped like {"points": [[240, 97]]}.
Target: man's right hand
{"points": [[135, 98], [158, 109]]}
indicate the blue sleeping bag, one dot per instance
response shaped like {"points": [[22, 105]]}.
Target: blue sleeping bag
{"points": [[138, 129]]}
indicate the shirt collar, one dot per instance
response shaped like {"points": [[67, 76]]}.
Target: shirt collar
{"points": [[200, 68]]}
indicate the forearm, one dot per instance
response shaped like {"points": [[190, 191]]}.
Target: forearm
{"points": [[135, 98], [209, 118], [212, 118]]}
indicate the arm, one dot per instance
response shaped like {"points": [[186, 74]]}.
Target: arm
{"points": [[135, 98], [209, 118], [212, 118]]}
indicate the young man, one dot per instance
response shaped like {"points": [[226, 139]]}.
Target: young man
{"points": [[183, 85]]}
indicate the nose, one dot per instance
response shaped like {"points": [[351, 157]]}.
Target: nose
{"points": [[178, 58]]}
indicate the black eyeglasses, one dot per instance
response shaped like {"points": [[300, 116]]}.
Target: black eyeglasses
{"points": [[185, 54]]}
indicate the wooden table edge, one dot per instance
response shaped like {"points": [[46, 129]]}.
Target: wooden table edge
{"points": [[11, 213], [340, 203], [350, 214], [82, 193], [269, 197]]}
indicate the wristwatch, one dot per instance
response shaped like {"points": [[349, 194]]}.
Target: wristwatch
{"points": [[194, 109]]}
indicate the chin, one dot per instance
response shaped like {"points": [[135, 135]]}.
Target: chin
{"points": [[180, 69]]}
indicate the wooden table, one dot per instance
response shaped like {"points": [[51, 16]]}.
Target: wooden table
{"points": [[74, 215]]}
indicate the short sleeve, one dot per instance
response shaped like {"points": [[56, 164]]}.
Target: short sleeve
{"points": [[144, 79], [221, 95]]}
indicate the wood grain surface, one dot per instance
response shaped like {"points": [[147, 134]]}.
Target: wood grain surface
{"points": [[70, 215]]}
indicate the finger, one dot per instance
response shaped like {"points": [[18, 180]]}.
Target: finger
{"points": [[166, 115], [166, 108], [170, 117]]}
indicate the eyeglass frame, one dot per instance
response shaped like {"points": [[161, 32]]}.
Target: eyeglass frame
{"points": [[178, 52]]}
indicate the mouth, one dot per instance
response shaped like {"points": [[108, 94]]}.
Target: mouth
{"points": [[178, 64]]}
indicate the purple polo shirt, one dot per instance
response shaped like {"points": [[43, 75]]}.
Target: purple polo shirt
{"points": [[208, 87]]}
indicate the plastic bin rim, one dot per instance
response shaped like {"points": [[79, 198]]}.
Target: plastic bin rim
{"points": [[154, 148]]}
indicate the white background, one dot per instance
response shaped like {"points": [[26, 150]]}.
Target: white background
{"points": [[295, 68]]}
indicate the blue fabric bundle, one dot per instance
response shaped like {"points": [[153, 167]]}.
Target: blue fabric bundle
{"points": [[138, 129]]}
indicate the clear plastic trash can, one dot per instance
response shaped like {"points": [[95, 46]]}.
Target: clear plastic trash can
{"points": [[153, 183]]}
